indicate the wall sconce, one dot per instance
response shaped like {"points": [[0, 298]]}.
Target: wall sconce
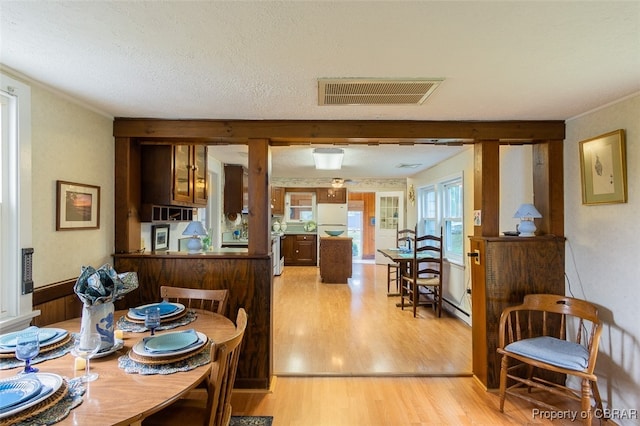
{"points": [[328, 158], [412, 195], [195, 230], [526, 213]]}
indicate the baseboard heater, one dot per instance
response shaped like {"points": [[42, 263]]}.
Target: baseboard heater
{"points": [[455, 306]]}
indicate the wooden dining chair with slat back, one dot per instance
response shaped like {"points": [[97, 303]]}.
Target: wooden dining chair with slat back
{"points": [[394, 269], [210, 407], [195, 298], [539, 351], [422, 283]]}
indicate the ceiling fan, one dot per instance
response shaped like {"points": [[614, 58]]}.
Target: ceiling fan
{"points": [[340, 182]]}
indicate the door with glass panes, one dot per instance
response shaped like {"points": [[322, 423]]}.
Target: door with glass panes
{"points": [[389, 218]]}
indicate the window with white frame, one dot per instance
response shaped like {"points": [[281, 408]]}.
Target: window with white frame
{"points": [[440, 205], [427, 210], [15, 197]]}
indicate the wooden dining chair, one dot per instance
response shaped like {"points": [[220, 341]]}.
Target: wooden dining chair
{"points": [[195, 298], [535, 336], [394, 269], [210, 406], [422, 283]]}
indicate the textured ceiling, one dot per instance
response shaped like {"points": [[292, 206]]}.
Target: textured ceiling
{"points": [[508, 60]]}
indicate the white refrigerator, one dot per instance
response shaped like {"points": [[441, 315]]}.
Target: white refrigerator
{"points": [[331, 217]]}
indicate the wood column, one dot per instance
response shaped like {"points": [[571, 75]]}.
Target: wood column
{"points": [[486, 187], [259, 197], [548, 187], [127, 195]]}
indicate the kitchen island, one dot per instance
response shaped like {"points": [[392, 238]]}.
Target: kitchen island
{"points": [[335, 259]]}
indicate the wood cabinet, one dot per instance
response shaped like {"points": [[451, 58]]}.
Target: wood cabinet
{"points": [[504, 270], [236, 189], [299, 249], [331, 195], [335, 259], [174, 175], [277, 200]]}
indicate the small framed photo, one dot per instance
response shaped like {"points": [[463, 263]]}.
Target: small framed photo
{"points": [[604, 169], [77, 206], [160, 238]]}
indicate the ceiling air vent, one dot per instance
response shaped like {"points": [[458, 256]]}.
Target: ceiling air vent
{"points": [[367, 91]]}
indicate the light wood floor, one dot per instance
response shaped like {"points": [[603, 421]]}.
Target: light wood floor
{"points": [[355, 331]]}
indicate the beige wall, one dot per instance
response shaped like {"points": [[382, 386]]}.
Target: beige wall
{"points": [[602, 262], [75, 144]]}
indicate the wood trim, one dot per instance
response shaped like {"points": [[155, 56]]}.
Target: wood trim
{"points": [[53, 291], [259, 196], [304, 130]]}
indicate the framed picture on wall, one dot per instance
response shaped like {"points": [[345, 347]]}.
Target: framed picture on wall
{"points": [[604, 169], [160, 237], [77, 206]]}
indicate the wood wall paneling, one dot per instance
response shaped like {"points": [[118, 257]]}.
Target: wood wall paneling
{"points": [[249, 281], [368, 200]]}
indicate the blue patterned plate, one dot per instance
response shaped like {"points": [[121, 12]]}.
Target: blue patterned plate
{"points": [[50, 384], [16, 390], [166, 309]]}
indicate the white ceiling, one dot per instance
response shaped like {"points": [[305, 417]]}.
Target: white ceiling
{"points": [[508, 60]]}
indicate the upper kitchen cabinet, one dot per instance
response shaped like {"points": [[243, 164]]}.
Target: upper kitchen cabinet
{"points": [[174, 174], [277, 200], [236, 189], [331, 195]]}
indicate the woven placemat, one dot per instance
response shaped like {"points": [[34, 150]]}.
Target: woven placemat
{"points": [[165, 360], [162, 319], [43, 349], [34, 410]]}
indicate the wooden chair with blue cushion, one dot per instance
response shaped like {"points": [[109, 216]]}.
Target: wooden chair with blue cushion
{"points": [[537, 336]]}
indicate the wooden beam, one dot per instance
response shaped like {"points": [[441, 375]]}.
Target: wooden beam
{"points": [[365, 130]]}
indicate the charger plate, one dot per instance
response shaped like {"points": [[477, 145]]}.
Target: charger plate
{"points": [[38, 405]]}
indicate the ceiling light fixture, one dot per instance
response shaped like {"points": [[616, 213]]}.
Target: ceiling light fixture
{"points": [[328, 158]]}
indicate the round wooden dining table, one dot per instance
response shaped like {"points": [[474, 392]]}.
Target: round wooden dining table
{"points": [[120, 398]]}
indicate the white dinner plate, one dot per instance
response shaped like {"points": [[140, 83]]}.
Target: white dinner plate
{"points": [[139, 349], [134, 315], [50, 380], [119, 344], [17, 389], [61, 334]]}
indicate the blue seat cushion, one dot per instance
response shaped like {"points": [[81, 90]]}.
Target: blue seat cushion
{"points": [[559, 353]]}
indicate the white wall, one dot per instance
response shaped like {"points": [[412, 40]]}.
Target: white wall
{"points": [[457, 280], [602, 262], [71, 143]]}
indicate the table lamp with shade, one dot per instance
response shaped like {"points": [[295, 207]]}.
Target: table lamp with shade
{"points": [[526, 213], [195, 230]]}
